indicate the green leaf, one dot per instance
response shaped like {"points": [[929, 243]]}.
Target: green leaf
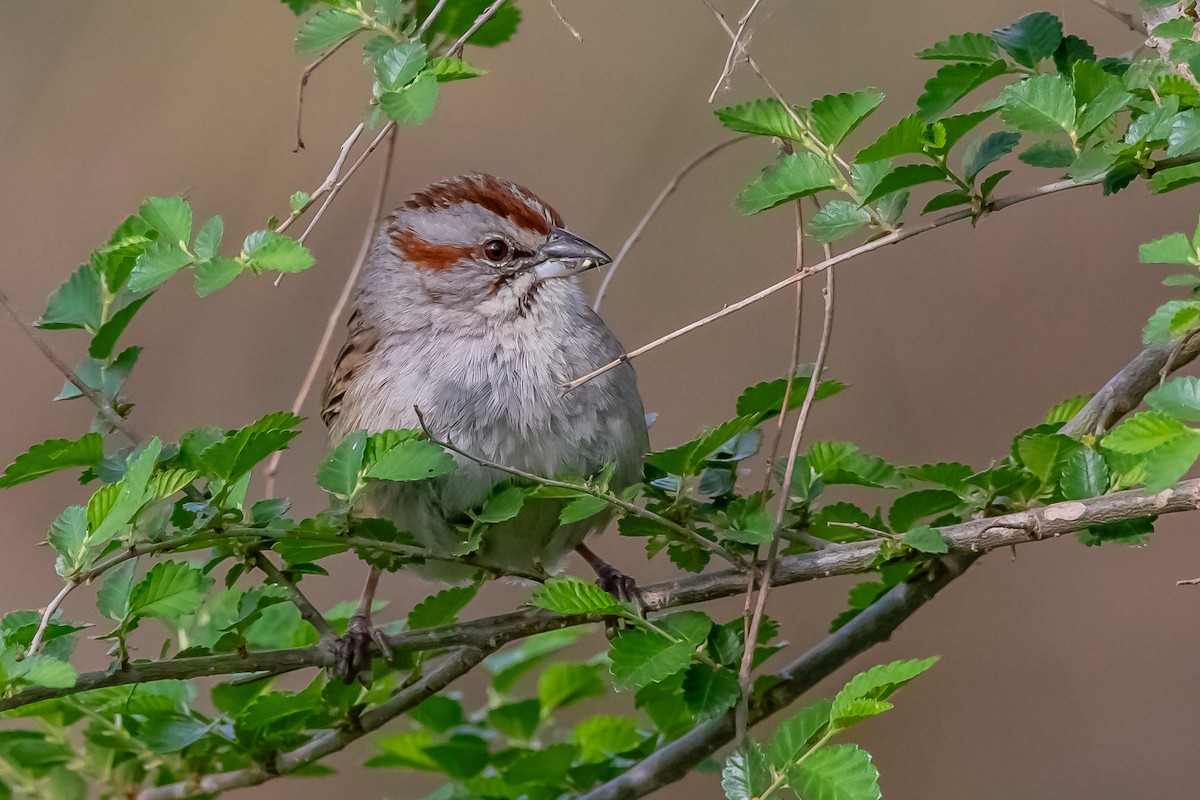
{"points": [[339, 472], [835, 116], [299, 200], [745, 776], [1070, 51], [952, 83], [600, 738], [1178, 398], [461, 756], [542, 768], [926, 539], [504, 503], [74, 304], [208, 239], [959, 125], [972, 47], [1051, 155], [43, 670], [399, 64], [581, 508], [569, 595], [1044, 454], [1039, 104], [1185, 133], [410, 459], [325, 29], [242, 450], [878, 683], [1031, 38], [797, 733], [837, 772], [272, 250], [950, 199], [51, 456], [412, 104], [709, 692], [1168, 462], [1102, 108], [1144, 432], [765, 117], [640, 658], [105, 340], [170, 590], [517, 720], [562, 684], [1174, 248], [159, 262], [843, 462], [112, 599], [1170, 320], [440, 608], [1084, 475], [449, 68], [172, 734], [763, 400], [791, 177], [68, 537], [985, 151], [214, 274], [906, 136], [908, 508], [171, 217], [1166, 180], [904, 177], [836, 220]]}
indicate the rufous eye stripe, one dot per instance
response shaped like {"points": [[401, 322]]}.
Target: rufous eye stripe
{"points": [[504, 199], [426, 255]]}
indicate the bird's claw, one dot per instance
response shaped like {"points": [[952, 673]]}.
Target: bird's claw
{"points": [[620, 586], [354, 652]]}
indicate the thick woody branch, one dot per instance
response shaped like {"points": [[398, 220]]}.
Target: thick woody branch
{"points": [[976, 536], [871, 627]]}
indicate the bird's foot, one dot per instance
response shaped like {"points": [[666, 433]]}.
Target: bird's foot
{"points": [[354, 652], [619, 585]]}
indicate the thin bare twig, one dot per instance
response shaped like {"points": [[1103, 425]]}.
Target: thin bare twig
{"points": [[734, 48], [608, 497], [666, 192], [1133, 23], [570, 28], [103, 406], [308, 612], [335, 314], [437, 9], [304, 76], [744, 676], [895, 237], [384, 132], [330, 179], [47, 614], [457, 47]]}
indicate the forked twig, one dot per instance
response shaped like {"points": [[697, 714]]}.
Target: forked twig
{"points": [[335, 314]]}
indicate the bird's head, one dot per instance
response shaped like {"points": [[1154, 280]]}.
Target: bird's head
{"points": [[478, 242]]}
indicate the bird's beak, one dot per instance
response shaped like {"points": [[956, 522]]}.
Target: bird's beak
{"points": [[565, 254]]}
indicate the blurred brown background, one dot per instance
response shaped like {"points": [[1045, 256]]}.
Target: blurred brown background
{"points": [[1066, 672]]}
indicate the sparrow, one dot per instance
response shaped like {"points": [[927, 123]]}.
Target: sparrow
{"points": [[469, 313]]}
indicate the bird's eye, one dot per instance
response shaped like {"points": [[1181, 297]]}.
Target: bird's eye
{"points": [[496, 250]]}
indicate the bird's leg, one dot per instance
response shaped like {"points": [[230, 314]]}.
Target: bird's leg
{"points": [[611, 579], [354, 649]]}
